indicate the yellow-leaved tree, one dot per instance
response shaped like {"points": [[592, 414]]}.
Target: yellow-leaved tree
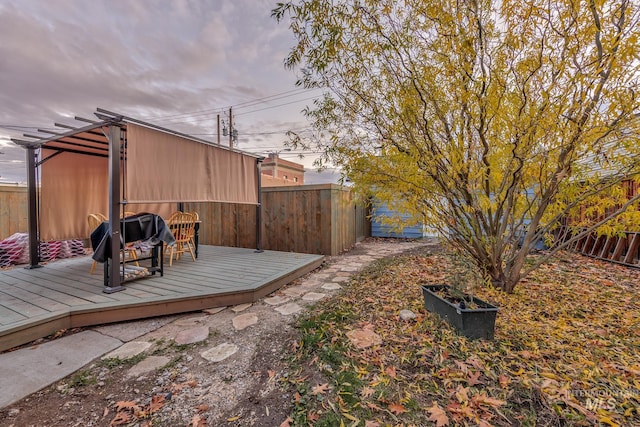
{"points": [[491, 120]]}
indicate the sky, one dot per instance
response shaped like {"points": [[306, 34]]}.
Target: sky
{"points": [[176, 63]]}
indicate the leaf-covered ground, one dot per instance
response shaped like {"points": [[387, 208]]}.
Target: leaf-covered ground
{"points": [[566, 352]]}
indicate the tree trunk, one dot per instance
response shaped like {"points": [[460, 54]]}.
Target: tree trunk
{"points": [[504, 280]]}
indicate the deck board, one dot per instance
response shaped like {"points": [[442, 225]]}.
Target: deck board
{"points": [[8, 316], [37, 302], [21, 306]]}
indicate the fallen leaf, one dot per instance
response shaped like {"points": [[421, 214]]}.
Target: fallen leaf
{"points": [[459, 411], [462, 394], [198, 421], [391, 371], [271, 374], [581, 409], [371, 405], [504, 381], [320, 389], [287, 422], [140, 413], [351, 417], [473, 379], [367, 392], [232, 419], [202, 408], [437, 415], [313, 417], [371, 424], [157, 402], [463, 366], [397, 408], [179, 387], [120, 419], [483, 399], [527, 354], [363, 338], [126, 404]]}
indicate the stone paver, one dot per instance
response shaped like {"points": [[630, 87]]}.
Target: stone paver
{"points": [[363, 338], [149, 364], [288, 309], [191, 321], [192, 335], [313, 296], [340, 279], [311, 282], [243, 321], [331, 287], [219, 352], [294, 291], [128, 350], [240, 307], [343, 274], [215, 310], [276, 300]]}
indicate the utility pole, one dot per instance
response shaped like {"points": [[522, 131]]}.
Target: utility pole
{"points": [[230, 128], [218, 129]]}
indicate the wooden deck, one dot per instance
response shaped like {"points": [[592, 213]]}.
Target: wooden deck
{"points": [[61, 295]]}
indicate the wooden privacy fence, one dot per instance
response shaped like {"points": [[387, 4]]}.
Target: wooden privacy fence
{"points": [[13, 210], [621, 249], [318, 219]]}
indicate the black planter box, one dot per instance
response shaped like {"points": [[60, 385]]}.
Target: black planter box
{"points": [[472, 323]]}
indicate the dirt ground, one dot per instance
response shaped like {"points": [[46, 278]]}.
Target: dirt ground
{"points": [[249, 388]]}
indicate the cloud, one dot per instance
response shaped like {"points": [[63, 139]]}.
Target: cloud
{"points": [[147, 59]]}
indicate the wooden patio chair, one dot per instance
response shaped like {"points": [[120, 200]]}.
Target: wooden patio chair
{"points": [[94, 222], [193, 238], [182, 225]]}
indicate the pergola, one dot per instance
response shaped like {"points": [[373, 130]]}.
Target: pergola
{"points": [[117, 161]]}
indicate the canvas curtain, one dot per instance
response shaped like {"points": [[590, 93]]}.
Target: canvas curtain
{"points": [[74, 186], [166, 167], [161, 169]]}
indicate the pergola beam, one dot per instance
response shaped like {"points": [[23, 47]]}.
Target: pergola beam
{"points": [[39, 142], [82, 119], [62, 125]]}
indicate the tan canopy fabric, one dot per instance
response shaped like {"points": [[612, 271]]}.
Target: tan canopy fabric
{"points": [[166, 167], [74, 186], [161, 169]]}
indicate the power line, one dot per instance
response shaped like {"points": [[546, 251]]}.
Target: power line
{"points": [[275, 106], [247, 103], [275, 132], [185, 121], [184, 117]]}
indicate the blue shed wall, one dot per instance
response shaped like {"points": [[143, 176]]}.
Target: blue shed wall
{"points": [[381, 210]]}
